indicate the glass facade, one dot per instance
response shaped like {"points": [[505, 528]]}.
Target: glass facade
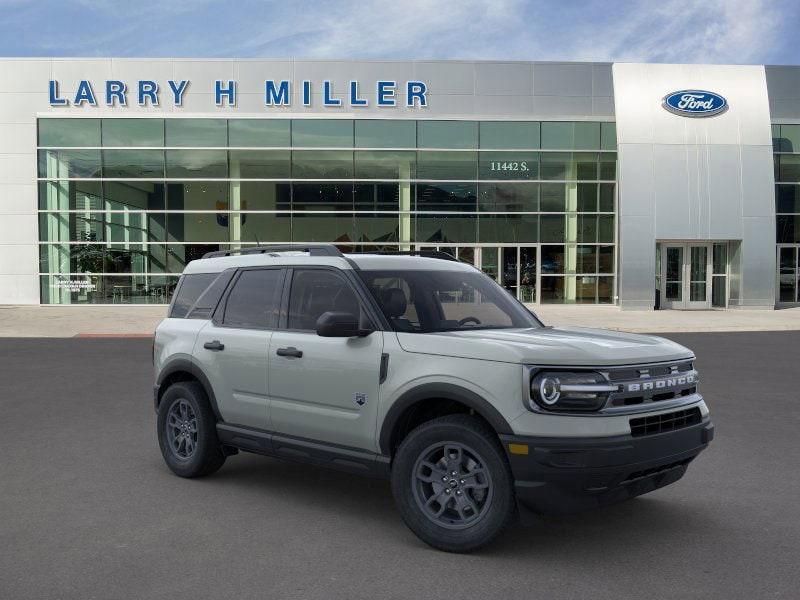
{"points": [[786, 148], [124, 204]]}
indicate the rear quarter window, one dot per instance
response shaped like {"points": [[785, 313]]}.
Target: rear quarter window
{"points": [[188, 291]]}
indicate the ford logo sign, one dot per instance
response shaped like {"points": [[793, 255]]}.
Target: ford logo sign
{"points": [[695, 103]]}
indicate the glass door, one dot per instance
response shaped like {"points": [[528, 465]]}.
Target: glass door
{"points": [[686, 274], [672, 276]]}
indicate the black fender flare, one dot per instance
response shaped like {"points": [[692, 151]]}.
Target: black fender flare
{"points": [[446, 391], [185, 365]]}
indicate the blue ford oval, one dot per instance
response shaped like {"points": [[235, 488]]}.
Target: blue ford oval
{"points": [[695, 103]]}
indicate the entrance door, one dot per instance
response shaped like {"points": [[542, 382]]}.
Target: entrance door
{"points": [[686, 276]]}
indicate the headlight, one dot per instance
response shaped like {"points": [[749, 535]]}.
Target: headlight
{"points": [[570, 391]]}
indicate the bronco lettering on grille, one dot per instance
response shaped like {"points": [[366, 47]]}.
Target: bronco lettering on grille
{"points": [[657, 384]]}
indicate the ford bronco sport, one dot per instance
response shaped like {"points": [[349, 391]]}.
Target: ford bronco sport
{"points": [[421, 369]]}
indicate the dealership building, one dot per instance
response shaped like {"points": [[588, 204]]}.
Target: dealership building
{"points": [[637, 185]]}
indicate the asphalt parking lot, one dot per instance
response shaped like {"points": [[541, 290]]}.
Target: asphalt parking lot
{"points": [[88, 509]]}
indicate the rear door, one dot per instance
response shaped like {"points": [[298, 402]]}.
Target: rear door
{"points": [[321, 388], [232, 349]]}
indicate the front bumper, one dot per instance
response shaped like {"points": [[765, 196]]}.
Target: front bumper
{"points": [[566, 475]]}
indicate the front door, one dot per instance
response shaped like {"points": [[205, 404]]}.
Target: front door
{"points": [[324, 388], [686, 275]]}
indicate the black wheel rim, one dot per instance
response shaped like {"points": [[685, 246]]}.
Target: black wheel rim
{"points": [[182, 429], [451, 484]]}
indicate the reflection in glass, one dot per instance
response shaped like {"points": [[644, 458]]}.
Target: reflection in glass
{"points": [[257, 133], [322, 133], [322, 196], [382, 164], [198, 133], [123, 164], [65, 133], [133, 132], [323, 227], [198, 195], [460, 197], [260, 164], [509, 165], [447, 165], [197, 164], [63, 164], [446, 228], [383, 133], [70, 195], [322, 164], [447, 134], [527, 274], [503, 135], [508, 197], [517, 228]]}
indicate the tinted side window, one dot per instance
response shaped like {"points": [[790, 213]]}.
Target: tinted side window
{"points": [[318, 291], [253, 301], [189, 291], [209, 299]]}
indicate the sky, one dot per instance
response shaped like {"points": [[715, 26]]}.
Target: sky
{"points": [[680, 31]]}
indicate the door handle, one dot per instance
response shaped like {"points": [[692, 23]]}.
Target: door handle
{"points": [[215, 345], [290, 351]]}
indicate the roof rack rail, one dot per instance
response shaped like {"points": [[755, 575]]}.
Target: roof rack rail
{"points": [[312, 249], [426, 253]]}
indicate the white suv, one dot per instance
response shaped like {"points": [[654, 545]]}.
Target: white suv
{"points": [[424, 370]]}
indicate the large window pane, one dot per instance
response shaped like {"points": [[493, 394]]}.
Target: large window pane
{"points": [[198, 164], [257, 133], [197, 227], [133, 132], [378, 228], [585, 166], [509, 165], [508, 228], [552, 290], [380, 133], [553, 228], [64, 133], [790, 138], [447, 134], [587, 136], [787, 198], [606, 197], [553, 259], [447, 165], [110, 289], [446, 229], [608, 166], [553, 197], [260, 164], [503, 135], [382, 196], [263, 195], [322, 133], [509, 197], [461, 197], [322, 164], [179, 255], [71, 258], [789, 169], [322, 227], [264, 227], [198, 195], [146, 164], [605, 228], [585, 289], [608, 136], [385, 164], [196, 132], [63, 164], [788, 231], [556, 165], [587, 228], [587, 197], [586, 259], [65, 227], [70, 195], [558, 135], [133, 195], [605, 262], [322, 196]]}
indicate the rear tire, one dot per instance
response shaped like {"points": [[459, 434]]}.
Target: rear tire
{"points": [[453, 485], [187, 431]]}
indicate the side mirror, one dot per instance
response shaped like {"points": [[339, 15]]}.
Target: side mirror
{"points": [[340, 324]]}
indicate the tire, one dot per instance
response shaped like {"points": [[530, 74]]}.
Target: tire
{"points": [[459, 513], [187, 431]]}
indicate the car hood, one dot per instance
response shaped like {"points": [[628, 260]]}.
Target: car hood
{"points": [[547, 346]]}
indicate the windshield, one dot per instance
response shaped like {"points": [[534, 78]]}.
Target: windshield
{"points": [[431, 301]]}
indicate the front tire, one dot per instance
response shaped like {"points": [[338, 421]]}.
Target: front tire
{"points": [[187, 431], [452, 484]]}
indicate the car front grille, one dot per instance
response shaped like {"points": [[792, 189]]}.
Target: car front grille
{"points": [[652, 383], [653, 424]]}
